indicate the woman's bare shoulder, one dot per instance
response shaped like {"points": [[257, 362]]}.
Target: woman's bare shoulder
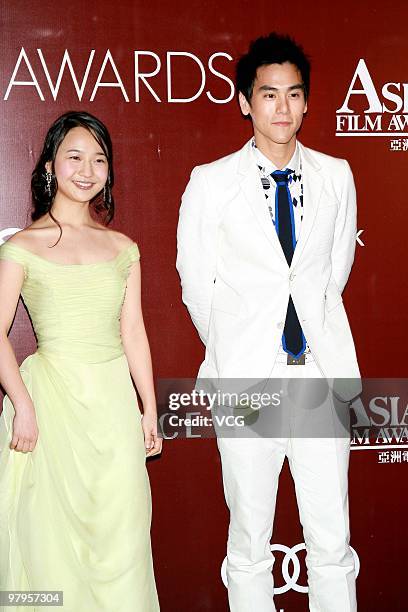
{"points": [[29, 236], [22, 238], [121, 240]]}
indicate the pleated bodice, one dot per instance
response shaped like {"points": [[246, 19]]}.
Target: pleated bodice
{"points": [[75, 308]]}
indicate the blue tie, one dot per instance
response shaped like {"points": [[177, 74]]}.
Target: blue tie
{"points": [[293, 339]]}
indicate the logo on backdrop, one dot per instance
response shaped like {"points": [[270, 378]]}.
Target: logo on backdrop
{"points": [[290, 557], [142, 83], [382, 110], [380, 420]]}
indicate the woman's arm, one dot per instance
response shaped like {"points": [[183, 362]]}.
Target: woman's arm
{"points": [[25, 430], [136, 347]]}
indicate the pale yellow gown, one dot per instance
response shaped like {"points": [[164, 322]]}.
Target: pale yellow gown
{"points": [[75, 513]]}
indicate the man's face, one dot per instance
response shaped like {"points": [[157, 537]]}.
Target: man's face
{"points": [[277, 105]]}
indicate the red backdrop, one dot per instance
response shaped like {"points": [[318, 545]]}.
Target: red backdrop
{"points": [[156, 144]]}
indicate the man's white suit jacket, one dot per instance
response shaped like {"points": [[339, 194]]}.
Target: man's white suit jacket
{"points": [[235, 278]]}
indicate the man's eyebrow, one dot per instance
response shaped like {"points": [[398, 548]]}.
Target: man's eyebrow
{"points": [[290, 88]]}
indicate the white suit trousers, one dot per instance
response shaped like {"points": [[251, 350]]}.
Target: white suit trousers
{"points": [[319, 467]]}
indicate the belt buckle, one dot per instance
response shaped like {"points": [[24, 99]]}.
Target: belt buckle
{"points": [[296, 361]]}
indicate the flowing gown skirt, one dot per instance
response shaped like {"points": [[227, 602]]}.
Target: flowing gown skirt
{"points": [[75, 513]]}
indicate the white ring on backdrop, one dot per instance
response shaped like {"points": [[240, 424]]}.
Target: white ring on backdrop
{"points": [[290, 556]]}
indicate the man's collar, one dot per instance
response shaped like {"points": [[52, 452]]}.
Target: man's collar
{"points": [[268, 166], [247, 164]]}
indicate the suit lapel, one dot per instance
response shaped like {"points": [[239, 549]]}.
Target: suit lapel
{"points": [[254, 194], [312, 191]]}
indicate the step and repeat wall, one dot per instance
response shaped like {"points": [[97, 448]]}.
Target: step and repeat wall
{"points": [[160, 76]]}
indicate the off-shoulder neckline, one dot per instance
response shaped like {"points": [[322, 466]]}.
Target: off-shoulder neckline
{"points": [[74, 265]]}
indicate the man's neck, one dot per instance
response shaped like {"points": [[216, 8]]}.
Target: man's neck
{"points": [[278, 154]]}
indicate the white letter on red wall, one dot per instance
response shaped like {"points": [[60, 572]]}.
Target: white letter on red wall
{"points": [[221, 76], [13, 82], [66, 60], [142, 76], [117, 83], [170, 98]]}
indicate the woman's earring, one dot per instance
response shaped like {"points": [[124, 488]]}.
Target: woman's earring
{"points": [[48, 178]]}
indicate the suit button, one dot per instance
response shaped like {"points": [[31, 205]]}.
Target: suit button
{"points": [[292, 276], [281, 325]]}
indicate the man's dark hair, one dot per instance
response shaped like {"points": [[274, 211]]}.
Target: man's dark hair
{"points": [[272, 49]]}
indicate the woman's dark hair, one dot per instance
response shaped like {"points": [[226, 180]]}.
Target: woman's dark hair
{"points": [[272, 49], [42, 194]]}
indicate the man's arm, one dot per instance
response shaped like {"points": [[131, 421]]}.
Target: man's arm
{"points": [[196, 250], [344, 245]]}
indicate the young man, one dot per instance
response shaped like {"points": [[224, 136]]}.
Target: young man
{"points": [[266, 241]]}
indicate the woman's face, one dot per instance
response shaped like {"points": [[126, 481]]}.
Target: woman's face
{"points": [[80, 166]]}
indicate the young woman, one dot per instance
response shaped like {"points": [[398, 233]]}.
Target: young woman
{"points": [[75, 505]]}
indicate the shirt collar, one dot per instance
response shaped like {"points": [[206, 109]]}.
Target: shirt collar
{"points": [[268, 166]]}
